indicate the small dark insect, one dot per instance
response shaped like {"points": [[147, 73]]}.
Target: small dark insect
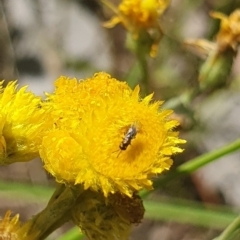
{"points": [[129, 136]]}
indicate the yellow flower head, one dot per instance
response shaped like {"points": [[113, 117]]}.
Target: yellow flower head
{"points": [[139, 15], [106, 219], [106, 137], [219, 54], [9, 227], [229, 34], [22, 122]]}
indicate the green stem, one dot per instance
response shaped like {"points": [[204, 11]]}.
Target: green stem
{"points": [[227, 233], [58, 191], [141, 49], [144, 73], [188, 212], [206, 158], [196, 163], [53, 216]]}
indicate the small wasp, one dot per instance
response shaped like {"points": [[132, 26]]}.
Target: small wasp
{"points": [[129, 136]]}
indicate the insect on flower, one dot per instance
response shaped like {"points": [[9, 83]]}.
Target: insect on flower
{"points": [[129, 136]]}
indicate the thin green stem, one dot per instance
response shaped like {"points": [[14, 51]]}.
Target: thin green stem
{"points": [[216, 217], [228, 232], [206, 158], [144, 73], [196, 163], [141, 48]]}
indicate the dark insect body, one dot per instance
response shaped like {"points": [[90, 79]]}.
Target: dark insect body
{"points": [[129, 136]]}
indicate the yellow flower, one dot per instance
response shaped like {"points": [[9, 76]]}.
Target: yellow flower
{"points": [[22, 122], [229, 34], [139, 15], [220, 54], [227, 38], [106, 219], [9, 227], [106, 137]]}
